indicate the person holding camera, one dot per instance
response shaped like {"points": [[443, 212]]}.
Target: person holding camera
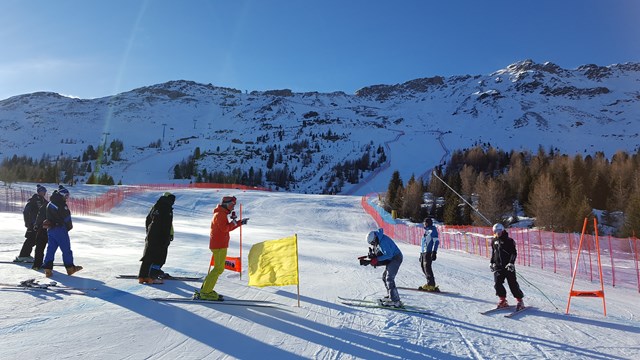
{"points": [[385, 252]]}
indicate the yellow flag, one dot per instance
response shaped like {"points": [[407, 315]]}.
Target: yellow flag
{"points": [[274, 262]]}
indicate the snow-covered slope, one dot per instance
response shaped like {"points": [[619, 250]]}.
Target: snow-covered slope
{"points": [[524, 106], [118, 321]]}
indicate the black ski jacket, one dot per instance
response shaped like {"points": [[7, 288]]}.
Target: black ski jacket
{"points": [[503, 251]]}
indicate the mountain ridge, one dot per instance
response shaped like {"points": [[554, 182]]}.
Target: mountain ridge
{"points": [[521, 107]]}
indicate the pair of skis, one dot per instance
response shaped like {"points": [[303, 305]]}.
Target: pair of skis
{"points": [[376, 304], [33, 284], [181, 278], [512, 311], [236, 302]]}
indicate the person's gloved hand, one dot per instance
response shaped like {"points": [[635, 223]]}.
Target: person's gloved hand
{"points": [[510, 267], [374, 261], [492, 267], [244, 221], [433, 256]]}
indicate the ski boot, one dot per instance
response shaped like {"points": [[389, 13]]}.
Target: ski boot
{"points": [[502, 303], [429, 288], [519, 305], [209, 296], [149, 280], [23, 259], [390, 303], [48, 273], [73, 269]]}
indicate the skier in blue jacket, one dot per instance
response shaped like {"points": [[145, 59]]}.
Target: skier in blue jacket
{"points": [[428, 250], [58, 224], [384, 251]]}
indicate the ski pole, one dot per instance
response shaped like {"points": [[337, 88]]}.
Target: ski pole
{"points": [[463, 199]]}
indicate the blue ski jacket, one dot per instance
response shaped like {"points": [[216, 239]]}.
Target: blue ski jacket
{"points": [[386, 247], [430, 240]]}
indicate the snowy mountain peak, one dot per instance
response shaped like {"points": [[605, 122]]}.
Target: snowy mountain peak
{"points": [[419, 122]]}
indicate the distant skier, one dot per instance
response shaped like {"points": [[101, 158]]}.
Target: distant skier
{"points": [[219, 244], [428, 250], [58, 225], [503, 257], [30, 213], [159, 226], [384, 251]]}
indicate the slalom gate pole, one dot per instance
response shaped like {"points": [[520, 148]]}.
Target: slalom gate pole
{"points": [[463, 199]]}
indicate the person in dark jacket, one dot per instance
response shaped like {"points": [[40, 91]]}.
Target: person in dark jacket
{"points": [[503, 257], [30, 213], [159, 225], [41, 237], [58, 223]]}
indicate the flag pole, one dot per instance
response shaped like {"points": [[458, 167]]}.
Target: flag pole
{"points": [[298, 270]]}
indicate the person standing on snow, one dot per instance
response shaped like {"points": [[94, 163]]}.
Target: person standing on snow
{"points": [[428, 250], [218, 244], [384, 251], [159, 226], [503, 257], [30, 213], [58, 225], [41, 237]]}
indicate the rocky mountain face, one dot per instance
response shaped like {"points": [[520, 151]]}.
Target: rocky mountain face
{"points": [[523, 106]]}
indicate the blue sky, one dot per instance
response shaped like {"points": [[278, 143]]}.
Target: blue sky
{"points": [[93, 49]]}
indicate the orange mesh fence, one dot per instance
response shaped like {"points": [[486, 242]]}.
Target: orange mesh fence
{"points": [[547, 250], [14, 199]]}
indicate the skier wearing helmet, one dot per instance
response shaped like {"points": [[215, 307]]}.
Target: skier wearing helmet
{"points": [[384, 251], [503, 257]]}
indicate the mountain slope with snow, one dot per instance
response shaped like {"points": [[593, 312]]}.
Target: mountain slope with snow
{"points": [[118, 320], [522, 107]]}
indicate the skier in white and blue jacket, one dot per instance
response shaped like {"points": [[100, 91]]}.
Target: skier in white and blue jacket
{"points": [[428, 250], [384, 251]]}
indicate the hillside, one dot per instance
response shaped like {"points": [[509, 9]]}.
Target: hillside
{"points": [[523, 106]]}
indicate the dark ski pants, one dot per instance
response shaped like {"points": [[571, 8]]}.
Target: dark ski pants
{"points": [[29, 242], [425, 262], [41, 244], [389, 277], [499, 277]]}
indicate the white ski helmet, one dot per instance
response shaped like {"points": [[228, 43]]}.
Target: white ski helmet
{"points": [[498, 228], [371, 237]]}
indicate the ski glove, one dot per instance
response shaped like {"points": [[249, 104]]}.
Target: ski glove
{"points": [[510, 267], [492, 267], [433, 256], [374, 262], [244, 221], [364, 261]]}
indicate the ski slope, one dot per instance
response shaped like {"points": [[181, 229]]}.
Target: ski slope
{"points": [[118, 321]]}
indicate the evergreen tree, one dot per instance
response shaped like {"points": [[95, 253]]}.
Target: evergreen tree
{"points": [[392, 192]]}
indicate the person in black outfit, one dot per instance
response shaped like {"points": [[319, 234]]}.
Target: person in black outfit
{"points": [[30, 213], [41, 237], [503, 257], [159, 225]]}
